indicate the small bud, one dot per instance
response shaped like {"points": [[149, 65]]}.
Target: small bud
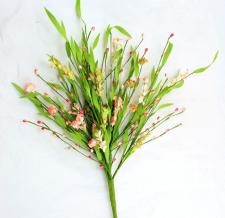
{"points": [[146, 50], [89, 156], [93, 28], [171, 35], [39, 122], [43, 128], [24, 121], [36, 72], [101, 166], [68, 101]]}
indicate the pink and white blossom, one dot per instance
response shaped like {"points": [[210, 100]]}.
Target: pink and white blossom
{"points": [[29, 87], [52, 110], [92, 143]]}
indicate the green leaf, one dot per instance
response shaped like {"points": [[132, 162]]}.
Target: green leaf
{"points": [[77, 8], [95, 43], [123, 31], [162, 106], [178, 84], [125, 141], [202, 69], [68, 51], [166, 55], [60, 121], [107, 34], [18, 88], [117, 54], [60, 28], [55, 86], [78, 138]]}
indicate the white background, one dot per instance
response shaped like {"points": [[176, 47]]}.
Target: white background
{"points": [[182, 175]]}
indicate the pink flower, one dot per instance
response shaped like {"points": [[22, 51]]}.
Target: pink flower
{"points": [[52, 110], [79, 120], [92, 143], [29, 87], [133, 126], [118, 102], [113, 120]]}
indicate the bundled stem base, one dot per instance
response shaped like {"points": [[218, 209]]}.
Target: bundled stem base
{"points": [[112, 196]]}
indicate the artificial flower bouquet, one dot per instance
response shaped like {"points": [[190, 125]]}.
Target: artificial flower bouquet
{"points": [[105, 108]]}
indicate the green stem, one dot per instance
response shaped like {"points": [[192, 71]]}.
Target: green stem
{"points": [[112, 196]]}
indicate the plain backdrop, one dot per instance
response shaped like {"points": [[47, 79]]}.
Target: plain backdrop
{"points": [[181, 175]]}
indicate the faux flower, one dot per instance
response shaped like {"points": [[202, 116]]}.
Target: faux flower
{"points": [[117, 44], [92, 143], [143, 61], [130, 83], [117, 103], [144, 90], [29, 87], [78, 123], [52, 110], [133, 107], [113, 120]]}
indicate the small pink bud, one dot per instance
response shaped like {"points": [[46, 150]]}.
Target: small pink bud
{"points": [[68, 101], [146, 50], [177, 109], [171, 35], [93, 28], [101, 166], [39, 122], [24, 121], [43, 128], [158, 117], [89, 156], [146, 113]]}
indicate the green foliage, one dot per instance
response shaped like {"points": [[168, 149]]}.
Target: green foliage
{"points": [[77, 9], [104, 106]]}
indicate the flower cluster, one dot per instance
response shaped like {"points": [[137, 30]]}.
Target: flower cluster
{"points": [[55, 63], [104, 107]]}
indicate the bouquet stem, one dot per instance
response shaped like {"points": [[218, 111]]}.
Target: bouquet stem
{"points": [[112, 196]]}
